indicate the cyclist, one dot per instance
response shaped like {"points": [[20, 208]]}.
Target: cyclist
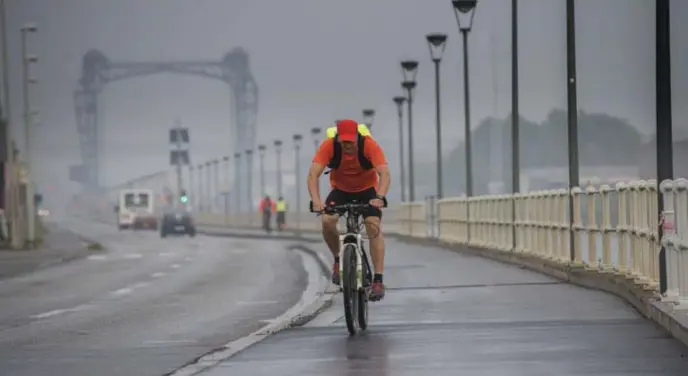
{"points": [[358, 172]]}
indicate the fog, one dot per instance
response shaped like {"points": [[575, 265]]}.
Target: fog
{"points": [[315, 61]]}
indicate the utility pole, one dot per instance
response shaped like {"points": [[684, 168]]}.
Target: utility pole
{"points": [[179, 156]]}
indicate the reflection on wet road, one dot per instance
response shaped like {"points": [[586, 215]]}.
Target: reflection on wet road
{"points": [[144, 307], [448, 314]]}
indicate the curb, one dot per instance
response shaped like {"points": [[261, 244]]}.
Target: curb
{"points": [[216, 356], [645, 301]]}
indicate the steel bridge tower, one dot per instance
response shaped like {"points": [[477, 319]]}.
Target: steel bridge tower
{"points": [[97, 71]]}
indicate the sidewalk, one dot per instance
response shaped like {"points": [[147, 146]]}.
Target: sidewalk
{"points": [[452, 314], [58, 246]]}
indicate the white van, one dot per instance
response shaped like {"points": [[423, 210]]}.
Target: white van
{"points": [[136, 209]]}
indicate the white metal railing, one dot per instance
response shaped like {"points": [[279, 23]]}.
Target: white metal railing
{"points": [[615, 229]]}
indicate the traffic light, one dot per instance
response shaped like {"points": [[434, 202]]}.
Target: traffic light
{"points": [[183, 197]]}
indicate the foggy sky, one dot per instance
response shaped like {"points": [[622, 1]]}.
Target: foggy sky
{"points": [[317, 60]]}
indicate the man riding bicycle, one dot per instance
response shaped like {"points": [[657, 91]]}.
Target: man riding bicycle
{"points": [[359, 172]]}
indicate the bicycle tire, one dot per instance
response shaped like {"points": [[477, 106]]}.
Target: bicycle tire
{"points": [[349, 291], [363, 294]]}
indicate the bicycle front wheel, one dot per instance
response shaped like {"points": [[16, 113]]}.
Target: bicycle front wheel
{"points": [[349, 290]]}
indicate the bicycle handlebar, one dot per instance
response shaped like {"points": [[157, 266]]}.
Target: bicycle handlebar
{"points": [[334, 209]]}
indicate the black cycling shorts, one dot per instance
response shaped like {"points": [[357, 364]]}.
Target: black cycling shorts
{"points": [[337, 197]]}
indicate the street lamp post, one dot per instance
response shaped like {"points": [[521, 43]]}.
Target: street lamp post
{"points": [[315, 132], [225, 159], [515, 120], [200, 199], [297, 146], [399, 101], [237, 180], [261, 156], [208, 187], [216, 185], [278, 153], [437, 44], [409, 69], [465, 9], [368, 117], [190, 190], [26, 61], [249, 178]]}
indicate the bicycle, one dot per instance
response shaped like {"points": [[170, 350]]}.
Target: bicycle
{"points": [[356, 274]]}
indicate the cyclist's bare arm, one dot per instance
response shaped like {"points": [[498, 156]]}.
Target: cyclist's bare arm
{"points": [[313, 187], [385, 179]]}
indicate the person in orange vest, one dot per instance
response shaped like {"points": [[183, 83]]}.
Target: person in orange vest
{"points": [[267, 207]]}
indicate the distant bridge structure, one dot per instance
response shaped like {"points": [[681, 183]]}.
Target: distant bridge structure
{"points": [[97, 71]]}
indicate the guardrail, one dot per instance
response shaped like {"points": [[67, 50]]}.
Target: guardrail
{"points": [[615, 229]]}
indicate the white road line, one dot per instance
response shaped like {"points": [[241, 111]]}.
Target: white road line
{"points": [[97, 257], [123, 291], [56, 312], [169, 342], [166, 254], [139, 285], [258, 302], [158, 274], [175, 266], [187, 258], [132, 256]]}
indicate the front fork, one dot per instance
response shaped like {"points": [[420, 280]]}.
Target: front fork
{"points": [[361, 257]]}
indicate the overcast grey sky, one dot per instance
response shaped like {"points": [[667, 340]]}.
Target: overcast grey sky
{"points": [[316, 60]]}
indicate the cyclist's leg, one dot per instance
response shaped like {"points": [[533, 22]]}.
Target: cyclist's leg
{"points": [[329, 230], [373, 222]]}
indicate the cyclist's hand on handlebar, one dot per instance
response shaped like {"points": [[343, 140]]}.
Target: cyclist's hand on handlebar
{"points": [[377, 203], [318, 207]]}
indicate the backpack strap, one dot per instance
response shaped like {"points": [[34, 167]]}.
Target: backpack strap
{"points": [[336, 160], [366, 164]]}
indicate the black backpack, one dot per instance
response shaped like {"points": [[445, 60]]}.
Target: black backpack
{"points": [[337, 157]]}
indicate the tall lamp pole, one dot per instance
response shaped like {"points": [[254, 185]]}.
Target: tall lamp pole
{"points": [[465, 11], [216, 185], [190, 190], [261, 156], [225, 159], [237, 180], [278, 154], [399, 101], [409, 69], [249, 183], [200, 200], [297, 171], [368, 117], [27, 60], [437, 43], [315, 132]]}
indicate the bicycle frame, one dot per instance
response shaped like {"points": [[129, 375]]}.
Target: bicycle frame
{"points": [[353, 236]]}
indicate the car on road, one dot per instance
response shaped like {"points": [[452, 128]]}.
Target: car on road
{"points": [[178, 220]]}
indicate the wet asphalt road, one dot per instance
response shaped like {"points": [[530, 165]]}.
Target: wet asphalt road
{"points": [[448, 314], [144, 307]]}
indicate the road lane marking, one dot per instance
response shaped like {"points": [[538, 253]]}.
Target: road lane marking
{"points": [[97, 257], [158, 274], [258, 302], [132, 256], [123, 291], [175, 266], [56, 312], [169, 342], [188, 258], [166, 254]]}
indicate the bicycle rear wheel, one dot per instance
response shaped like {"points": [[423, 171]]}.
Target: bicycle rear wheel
{"points": [[349, 290]]}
